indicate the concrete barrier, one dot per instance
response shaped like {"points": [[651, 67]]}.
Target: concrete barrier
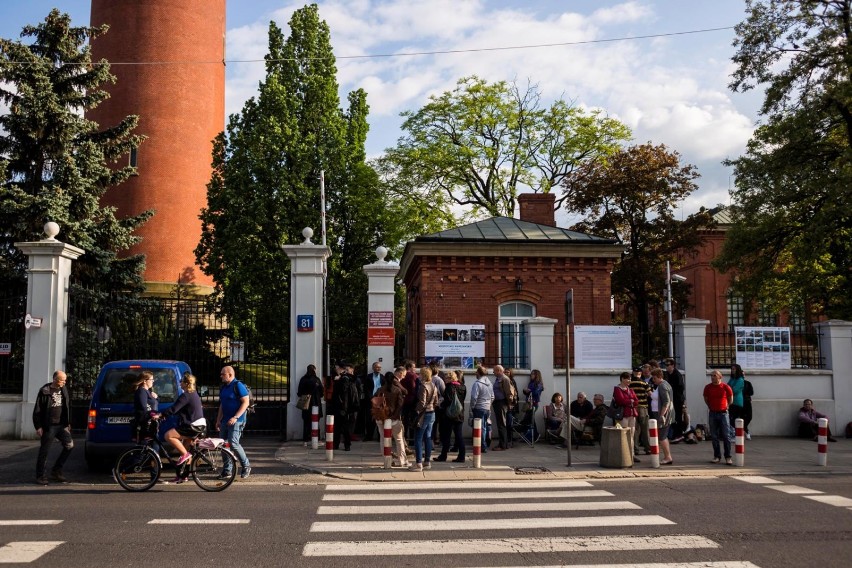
{"points": [[615, 448]]}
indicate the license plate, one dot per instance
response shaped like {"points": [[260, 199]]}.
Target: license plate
{"points": [[119, 419]]}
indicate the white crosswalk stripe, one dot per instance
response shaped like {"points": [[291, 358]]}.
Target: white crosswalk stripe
{"points": [[505, 524], [484, 496], [527, 545], [380, 487], [26, 551], [430, 508], [476, 508], [28, 522]]}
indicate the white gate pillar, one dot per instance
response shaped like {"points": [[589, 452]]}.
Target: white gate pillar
{"points": [[691, 349], [47, 300], [307, 268], [380, 310], [540, 332], [835, 341]]}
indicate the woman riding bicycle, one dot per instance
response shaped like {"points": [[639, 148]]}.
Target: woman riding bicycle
{"points": [[190, 418]]}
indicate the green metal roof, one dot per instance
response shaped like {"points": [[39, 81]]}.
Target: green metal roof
{"points": [[505, 229]]}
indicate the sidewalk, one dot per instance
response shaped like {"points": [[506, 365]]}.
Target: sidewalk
{"points": [[763, 456], [275, 462]]}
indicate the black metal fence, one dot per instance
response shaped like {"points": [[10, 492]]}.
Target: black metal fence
{"points": [[803, 347], [12, 311], [186, 329]]}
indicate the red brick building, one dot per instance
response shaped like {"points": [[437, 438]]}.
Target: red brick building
{"points": [[168, 58], [709, 298], [500, 271]]}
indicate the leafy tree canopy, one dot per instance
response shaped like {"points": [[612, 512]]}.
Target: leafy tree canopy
{"points": [[632, 197], [55, 165], [477, 146], [265, 188], [790, 245]]}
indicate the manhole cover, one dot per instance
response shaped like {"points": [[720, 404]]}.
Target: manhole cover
{"points": [[531, 470]]}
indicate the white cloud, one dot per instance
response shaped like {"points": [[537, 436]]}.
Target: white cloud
{"points": [[670, 90]]}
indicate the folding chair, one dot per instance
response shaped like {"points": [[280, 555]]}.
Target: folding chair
{"points": [[525, 427]]}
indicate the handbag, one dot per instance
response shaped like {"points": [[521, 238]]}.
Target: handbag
{"points": [[304, 402], [615, 412]]}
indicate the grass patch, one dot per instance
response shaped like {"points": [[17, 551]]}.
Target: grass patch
{"points": [[259, 375]]}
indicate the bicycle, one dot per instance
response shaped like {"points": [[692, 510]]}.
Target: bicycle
{"points": [[139, 468]]}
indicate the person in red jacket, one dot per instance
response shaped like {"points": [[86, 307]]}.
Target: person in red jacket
{"points": [[624, 397], [718, 397]]}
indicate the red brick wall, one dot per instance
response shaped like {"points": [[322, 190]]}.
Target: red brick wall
{"points": [[181, 106], [458, 289]]}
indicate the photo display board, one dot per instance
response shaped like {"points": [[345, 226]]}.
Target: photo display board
{"points": [[763, 347], [455, 346]]}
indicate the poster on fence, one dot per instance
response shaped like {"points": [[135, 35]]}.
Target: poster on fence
{"points": [[763, 347], [602, 347], [457, 346]]}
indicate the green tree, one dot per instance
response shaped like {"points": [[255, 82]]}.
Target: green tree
{"points": [[478, 145], [265, 189], [631, 197], [791, 243], [56, 165]]}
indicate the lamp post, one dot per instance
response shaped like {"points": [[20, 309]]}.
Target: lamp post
{"points": [[668, 303]]}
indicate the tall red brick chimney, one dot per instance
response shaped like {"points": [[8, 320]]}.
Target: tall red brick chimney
{"points": [[538, 208], [175, 82]]}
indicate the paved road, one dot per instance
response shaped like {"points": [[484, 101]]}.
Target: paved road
{"points": [[716, 522]]}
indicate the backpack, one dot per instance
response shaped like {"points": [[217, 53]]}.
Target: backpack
{"points": [[748, 390], [346, 396], [252, 400], [379, 408], [455, 410]]}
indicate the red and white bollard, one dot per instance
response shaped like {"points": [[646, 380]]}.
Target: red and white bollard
{"points": [[329, 437], [314, 427], [654, 442], [477, 443], [739, 442], [386, 442], [822, 441]]}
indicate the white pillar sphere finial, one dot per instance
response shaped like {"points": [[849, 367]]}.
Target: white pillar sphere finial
{"points": [[307, 232], [381, 253], [51, 229]]}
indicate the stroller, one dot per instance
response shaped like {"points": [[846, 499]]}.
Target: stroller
{"points": [[525, 427]]}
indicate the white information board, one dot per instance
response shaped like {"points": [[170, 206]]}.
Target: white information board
{"points": [[602, 347]]}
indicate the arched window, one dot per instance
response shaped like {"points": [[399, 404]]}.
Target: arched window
{"points": [[513, 334]]}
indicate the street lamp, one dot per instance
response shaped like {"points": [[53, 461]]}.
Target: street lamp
{"points": [[668, 303]]}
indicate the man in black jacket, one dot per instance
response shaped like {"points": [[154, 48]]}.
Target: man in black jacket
{"points": [[675, 379], [52, 419]]}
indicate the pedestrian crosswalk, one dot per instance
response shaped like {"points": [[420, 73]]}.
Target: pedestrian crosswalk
{"points": [[348, 523]]}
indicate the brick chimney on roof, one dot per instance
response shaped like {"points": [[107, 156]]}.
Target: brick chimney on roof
{"points": [[538, 208]]}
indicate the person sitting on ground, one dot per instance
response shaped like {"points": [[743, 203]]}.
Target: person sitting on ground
{"points": [[190, 416], [809, 421]]}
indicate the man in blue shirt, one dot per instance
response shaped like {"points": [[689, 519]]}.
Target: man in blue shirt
{"points": [[371, 383], [233, 403]]}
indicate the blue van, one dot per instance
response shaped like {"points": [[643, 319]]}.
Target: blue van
{"points": [[108, 431]]}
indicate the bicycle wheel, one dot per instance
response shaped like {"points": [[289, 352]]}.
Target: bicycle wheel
{"points": [[137, 469], [214, 470]]}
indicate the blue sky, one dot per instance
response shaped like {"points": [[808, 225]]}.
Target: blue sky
{"points": [[670, 90]]}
